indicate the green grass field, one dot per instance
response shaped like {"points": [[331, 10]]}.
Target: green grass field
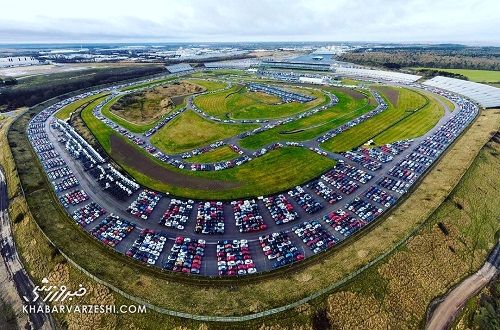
{"points": [[485, 76], [303, 129], [189, 130], [238, 103], [147, 84], [209, 85], [410, 117], [66, 111], [276, 171], [217, 155]]}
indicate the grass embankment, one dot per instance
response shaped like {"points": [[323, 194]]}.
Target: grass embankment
{"points": [[453, 244], [217, 155], [346, 109], [249, 296], [189, 130], [66, 111], [239, 103], [41, 259], [410, 116], [147, 107]]}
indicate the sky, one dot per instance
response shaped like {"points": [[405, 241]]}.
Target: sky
{"points": [[435, 21]]}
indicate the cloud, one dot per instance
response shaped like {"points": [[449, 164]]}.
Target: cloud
{"points": [[225, 20]]}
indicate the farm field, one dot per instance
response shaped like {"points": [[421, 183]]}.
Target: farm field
{"points": [[217, 155], [348, 108], [189, 130], [239, 103], [396, 122]]}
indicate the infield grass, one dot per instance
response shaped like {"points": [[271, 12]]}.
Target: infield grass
{"points": [[189, 130], [401, 121], [307, 128], [217, 155], [66, 111], [239, 103]]}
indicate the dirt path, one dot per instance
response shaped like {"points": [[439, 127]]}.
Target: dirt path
{"points": [[454, 301], [14, 281]]}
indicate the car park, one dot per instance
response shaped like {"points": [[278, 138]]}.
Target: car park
{"points": [[186, 255], [314, 236], [145, 203], [87, 214], [234, 258], [247, 216], [306, 201], [280, 208], [112, 230], [279, 248], [210, 218], [177, 214], [148, 246]]}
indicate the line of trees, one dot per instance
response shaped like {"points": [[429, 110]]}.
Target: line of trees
{"points": [[395, 59], [30, 92]]}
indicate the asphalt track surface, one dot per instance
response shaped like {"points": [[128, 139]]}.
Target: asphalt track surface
{"points": [[209, 265], [23, 283]]}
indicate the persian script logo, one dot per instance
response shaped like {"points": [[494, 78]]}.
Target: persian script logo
{"points": [[54, 293]]}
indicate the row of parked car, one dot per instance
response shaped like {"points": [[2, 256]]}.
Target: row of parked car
{"points": [[279, 248], [112, 230], [280, 208], [147, 247], [234, 258], [59, 173], [66, 183], [323, 190], [306, 201], [210, 218], [87, 214], [343, 222], [314, 236], [358, 120], [186, 255], [284, 95], [247, 216], [177, 213], [144, 204], [74, 197], [53, 163]]}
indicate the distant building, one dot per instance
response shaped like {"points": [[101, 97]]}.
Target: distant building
{"points": [[176, 68], [6, 62], [309, 80]]}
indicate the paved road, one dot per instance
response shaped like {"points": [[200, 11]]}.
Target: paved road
{"points": [[23, 284], [448, 309]]}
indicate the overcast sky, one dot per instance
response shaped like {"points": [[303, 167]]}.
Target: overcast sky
{"points": [[467, 21]]}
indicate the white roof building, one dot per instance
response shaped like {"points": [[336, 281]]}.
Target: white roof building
{"points": [[487, 96], [377, 74]]}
